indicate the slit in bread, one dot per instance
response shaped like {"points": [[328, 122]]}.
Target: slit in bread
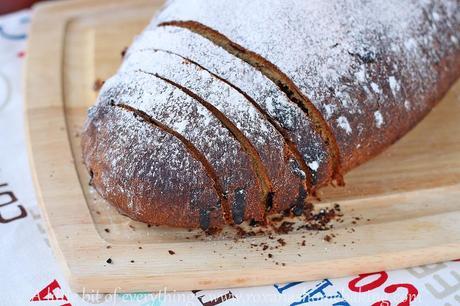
{"points": [[284, 113]]}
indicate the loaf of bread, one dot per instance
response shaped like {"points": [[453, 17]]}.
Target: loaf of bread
{"points": [[228, 111]]}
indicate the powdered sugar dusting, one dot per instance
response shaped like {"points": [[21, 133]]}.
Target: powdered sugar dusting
{"points": [[344, 124], [454, 39], [330, 108], [361, 75], [314, 165], [378, 119], [394, 85], [410, 44], [375, 87], [407, 105]]}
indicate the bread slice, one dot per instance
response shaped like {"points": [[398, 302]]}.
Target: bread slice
{"points": [[142, 169]]}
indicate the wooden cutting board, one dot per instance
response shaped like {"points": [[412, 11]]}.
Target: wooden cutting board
{"points": [[401, 209]]}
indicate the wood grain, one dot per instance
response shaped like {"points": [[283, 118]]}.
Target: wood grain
{"points": [[407, 199]]}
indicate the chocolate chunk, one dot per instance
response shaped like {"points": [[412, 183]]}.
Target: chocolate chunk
{"points": [[239, 206], [204, 219], [299, 205]]}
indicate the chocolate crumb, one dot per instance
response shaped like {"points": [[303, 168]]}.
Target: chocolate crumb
{"points": [[123, 52], [327, 238], [212, 231], [171, 252], [270, 255], [108, 247], [109, 261], [106, 230], [98, 84], [140, 248], [277, 219], [281, 241], [285, 228]]}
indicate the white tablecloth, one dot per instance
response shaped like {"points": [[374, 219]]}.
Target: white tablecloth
{"points": [[29, 274]]}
